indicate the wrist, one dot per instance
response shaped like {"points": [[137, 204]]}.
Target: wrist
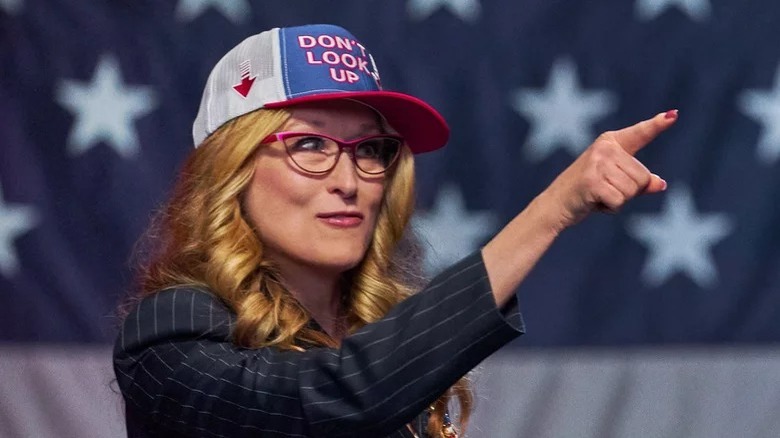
{"points": [[550, 213]]}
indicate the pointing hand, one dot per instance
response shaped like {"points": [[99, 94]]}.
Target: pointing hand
{"points": [[607, 175]]}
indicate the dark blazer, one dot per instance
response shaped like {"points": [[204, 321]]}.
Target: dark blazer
{"points": [[181, 375]]}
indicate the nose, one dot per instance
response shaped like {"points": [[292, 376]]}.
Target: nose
{"points": [[343, 179]]}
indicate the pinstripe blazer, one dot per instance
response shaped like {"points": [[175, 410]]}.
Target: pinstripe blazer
{"points": [[181, 376]]}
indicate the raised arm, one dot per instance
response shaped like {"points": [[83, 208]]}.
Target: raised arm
{"points": [[603, 178], [179, 371]]}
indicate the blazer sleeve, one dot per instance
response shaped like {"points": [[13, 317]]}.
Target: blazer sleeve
{"points": [[177, 368]]}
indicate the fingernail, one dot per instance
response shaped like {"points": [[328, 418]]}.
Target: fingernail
{"points": [[663, 182], [671, 114]]}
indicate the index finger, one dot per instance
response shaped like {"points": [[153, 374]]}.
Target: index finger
{"points": [[635, 137]]}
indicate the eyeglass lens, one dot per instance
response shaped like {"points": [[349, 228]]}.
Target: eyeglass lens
{"points": [[319, 154]]}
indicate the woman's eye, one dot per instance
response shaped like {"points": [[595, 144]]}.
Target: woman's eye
{"points": [[368, 149], [309, 144]]}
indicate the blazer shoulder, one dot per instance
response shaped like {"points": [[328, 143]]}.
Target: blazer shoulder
{"points": [[176, 312]]}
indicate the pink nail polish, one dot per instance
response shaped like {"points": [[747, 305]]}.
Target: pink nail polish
{"points": [[671, 114]]}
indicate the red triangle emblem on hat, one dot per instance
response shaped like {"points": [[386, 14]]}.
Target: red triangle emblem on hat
{"points": [[245, 85]]}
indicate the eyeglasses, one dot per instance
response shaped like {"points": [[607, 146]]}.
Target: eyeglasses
{"points": [[319, 153]]}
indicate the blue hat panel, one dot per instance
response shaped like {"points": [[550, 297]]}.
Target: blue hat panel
{"points": [[324, 58]]}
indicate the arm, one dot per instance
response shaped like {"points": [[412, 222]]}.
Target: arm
{"points": [[604, 177], [177, 367]]}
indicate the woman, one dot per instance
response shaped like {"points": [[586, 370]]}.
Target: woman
{"points": [[277, 302]]}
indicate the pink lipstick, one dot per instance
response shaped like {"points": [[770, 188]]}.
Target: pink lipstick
{"points": [[342, 219]]}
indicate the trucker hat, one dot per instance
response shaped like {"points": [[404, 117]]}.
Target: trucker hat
{"points": [[286, 66]]}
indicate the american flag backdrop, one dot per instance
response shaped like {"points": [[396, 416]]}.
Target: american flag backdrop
{"points": [[660, 321]]}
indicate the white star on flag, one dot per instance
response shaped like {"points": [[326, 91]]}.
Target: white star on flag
{"points": [[698, 10], [764, 106], [15, 221], [679, 240], [236, 11], [562, 114], [451, 231], [467, 10], [11, 6], [105, 109]]}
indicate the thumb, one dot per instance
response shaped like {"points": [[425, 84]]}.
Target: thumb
{"points": [[633, 138], [657, 184]]}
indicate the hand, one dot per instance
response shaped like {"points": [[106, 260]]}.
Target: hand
{"points": [[607, 175]]}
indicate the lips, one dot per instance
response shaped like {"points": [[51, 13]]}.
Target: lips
{"points": [[342, 218]]}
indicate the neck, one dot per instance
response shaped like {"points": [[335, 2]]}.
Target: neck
{"points": [[317, 290]]}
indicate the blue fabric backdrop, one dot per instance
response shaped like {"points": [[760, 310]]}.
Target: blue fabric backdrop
{"points": [[97, 100]]}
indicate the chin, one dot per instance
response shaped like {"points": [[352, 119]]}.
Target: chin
{"points": [[341, 260]]}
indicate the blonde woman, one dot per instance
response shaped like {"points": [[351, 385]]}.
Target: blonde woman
{"points": [[277, 299]]}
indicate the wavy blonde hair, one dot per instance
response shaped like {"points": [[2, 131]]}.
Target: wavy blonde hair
{"points": [[201, 238]]}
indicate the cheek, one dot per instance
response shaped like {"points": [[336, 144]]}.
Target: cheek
{"points": [[374, 195], [275, 201]]}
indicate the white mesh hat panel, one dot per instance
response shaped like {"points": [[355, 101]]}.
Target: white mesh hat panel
{"points": [[255, 62]]}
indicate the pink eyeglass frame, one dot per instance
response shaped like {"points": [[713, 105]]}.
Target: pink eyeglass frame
{"points": [[349, 145]]}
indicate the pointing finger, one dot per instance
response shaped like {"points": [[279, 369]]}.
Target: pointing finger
{"points": [[634, 138]]}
